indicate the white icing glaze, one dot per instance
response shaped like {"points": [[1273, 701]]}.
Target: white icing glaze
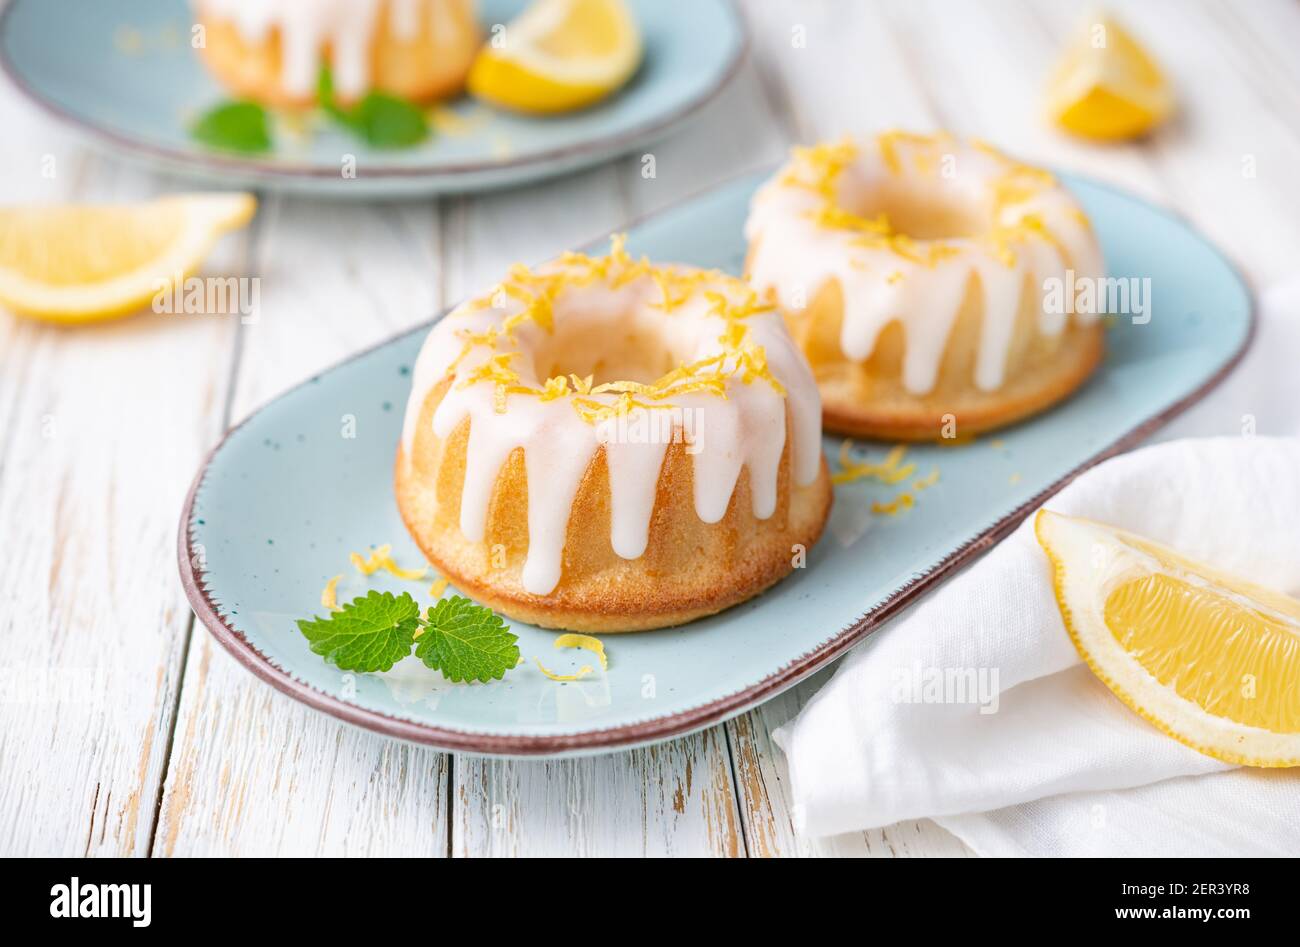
{"points": [[307, 26], [794, 255], [744, 430]]}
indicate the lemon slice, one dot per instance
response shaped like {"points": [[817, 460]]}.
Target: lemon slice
{"points": [[83, 263], [558, 55], [1210, 659], [1107, 87]]}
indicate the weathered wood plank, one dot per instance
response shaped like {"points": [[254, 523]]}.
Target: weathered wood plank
{"points": [[252, 772], [100, 428], [672, 799]]}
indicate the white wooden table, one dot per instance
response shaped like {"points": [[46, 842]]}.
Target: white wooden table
{"points": [[125, 730]]}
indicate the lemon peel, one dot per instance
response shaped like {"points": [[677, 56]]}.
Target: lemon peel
{"points": [[329, 594], [381, 558], [373, 563], [587, 643], [886, 471], [412, 575], [1207, 657], [583, 671], [904, 501], [84, 263], [559, 55], [1106, 86], [927, 481]]}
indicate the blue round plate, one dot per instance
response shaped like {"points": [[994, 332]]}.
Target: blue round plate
{"points": [[124, 72], [284, 499]]}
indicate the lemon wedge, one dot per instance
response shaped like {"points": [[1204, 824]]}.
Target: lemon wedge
{"points": [[558, 55], [84, 263], [1106, 86], [1211, 659]]}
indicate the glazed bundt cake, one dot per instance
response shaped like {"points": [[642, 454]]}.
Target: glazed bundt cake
{"points": [[272, 51], [602, 444], [912, 272]]}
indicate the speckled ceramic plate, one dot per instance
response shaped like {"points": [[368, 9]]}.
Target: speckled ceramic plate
{"points": [[284, 499], [123, 72]]}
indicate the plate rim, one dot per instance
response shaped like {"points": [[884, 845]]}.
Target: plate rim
{"points": [[556, 160], [671, 725]]}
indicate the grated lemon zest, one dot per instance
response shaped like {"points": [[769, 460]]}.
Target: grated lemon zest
{"points": [[818, 169], [388, 565], [927, 481], [329, 595], [904, 501], [587, 643], [438, 587], [449, 122], [375, 562], [582, 672], [536, 293], [886, 471]]}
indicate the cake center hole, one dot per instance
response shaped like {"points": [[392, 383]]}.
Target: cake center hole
{"points": [[609, 349], [923, 213]]}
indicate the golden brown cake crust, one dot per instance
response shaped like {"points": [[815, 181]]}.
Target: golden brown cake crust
{"points": [[925, 418], [689, 569], [629, 595], [421, 70], [867, 399]]}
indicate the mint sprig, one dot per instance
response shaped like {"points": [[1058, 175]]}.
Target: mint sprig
{"points": [[235, 126], [370, 633], [379, 119], [466, 642], [462, 640]]}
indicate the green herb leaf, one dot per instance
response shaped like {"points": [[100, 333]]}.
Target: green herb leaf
{"points": [[371, 633], [467, 642], [388, 122], [235, 126], [325, 95], [380, 120]]}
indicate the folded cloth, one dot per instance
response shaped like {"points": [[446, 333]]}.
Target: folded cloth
{"points": [[1036, 756]]}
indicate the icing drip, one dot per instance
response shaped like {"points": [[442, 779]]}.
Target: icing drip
{"points": [[306, 27], [1023, 229], [738, 374]]}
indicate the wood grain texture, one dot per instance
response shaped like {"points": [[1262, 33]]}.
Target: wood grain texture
{"points": [[100, 428], [124, 730], [252, 772]]}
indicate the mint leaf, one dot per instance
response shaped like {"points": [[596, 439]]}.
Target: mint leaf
{"points": [[371, 633], [388, 122], [235, 126], [380, 120], [325, 95], [467, 642]]}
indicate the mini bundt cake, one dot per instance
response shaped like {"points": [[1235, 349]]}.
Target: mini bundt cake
{"points": [[912, 272], [602, 444], [272, 51]]}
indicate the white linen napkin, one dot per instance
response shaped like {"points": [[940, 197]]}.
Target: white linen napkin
{"points": [[1042, 759]]}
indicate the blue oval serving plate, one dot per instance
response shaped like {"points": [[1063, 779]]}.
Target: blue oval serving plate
{"points": [[124, 73], [258, 539]]}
